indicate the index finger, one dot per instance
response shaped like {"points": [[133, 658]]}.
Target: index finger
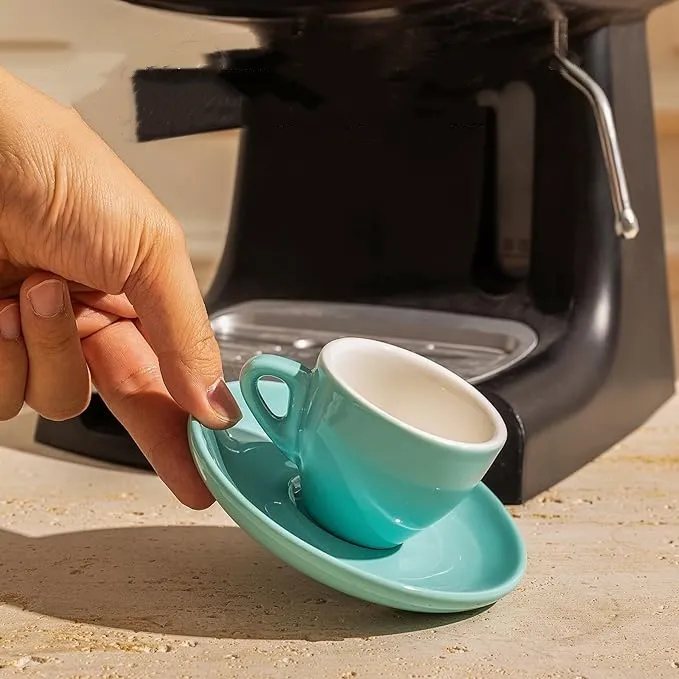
{"points": [[125, 372]]}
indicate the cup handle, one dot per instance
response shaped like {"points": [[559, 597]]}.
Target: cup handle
{"points": [[282, 430]]}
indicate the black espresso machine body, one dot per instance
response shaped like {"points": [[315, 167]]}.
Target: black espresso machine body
{"points": [[475, 181]]}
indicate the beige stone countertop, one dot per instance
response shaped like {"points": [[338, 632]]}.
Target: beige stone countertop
{"points": [[104, 575]]}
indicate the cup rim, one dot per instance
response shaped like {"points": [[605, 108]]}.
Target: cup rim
{"points": [[496, 442]]}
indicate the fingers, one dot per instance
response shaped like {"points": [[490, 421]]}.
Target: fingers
{"points": [[89, 321], [58, 384], [166, 296], [16, 278], [14, 367], [111, 304], [127, 375], [13, 361]]}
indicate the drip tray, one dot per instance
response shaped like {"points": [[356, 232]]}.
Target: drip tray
{"points": [[474, 347]]}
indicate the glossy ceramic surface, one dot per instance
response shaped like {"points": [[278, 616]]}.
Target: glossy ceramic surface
{"points": [[386, 441], [468, 560]]}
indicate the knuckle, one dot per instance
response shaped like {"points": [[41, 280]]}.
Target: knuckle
{"points": [[204, 346], [22, 186], [159, 243], [27, 167], [169, 235], [199, 355], [55, 343], [158, 446], [161, 238], [136, 383], [29, 148]]}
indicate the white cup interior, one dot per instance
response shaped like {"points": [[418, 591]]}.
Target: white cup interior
{"points": [[413, 390]]}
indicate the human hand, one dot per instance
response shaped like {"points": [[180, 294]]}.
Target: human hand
{"points": [[95, 280]]}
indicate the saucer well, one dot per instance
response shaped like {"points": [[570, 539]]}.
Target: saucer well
{"points": [[467, 560]]}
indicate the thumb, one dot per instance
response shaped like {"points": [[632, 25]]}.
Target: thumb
{"points": [[163, 290]]}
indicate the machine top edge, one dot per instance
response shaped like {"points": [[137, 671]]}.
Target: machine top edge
{"points": [[494, 11]]}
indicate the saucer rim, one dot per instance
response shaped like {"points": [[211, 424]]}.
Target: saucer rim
{"points": [[247, 516]]}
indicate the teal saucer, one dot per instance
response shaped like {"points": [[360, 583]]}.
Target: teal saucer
{"points": [[468, 560]]}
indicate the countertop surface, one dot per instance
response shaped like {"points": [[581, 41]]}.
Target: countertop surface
{"points": [[104, 575]]}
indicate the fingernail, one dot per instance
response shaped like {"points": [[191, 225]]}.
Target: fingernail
{"points": [[10, 322], [47, 298], [223, 403]]}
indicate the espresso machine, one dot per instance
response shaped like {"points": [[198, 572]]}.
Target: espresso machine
{"points": [[475, 181]]}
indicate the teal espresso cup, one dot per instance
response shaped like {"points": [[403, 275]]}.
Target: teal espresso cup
{"points": [[386, 441]]}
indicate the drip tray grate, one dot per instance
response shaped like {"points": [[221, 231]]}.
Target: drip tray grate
{"points": [[474, 347]]}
